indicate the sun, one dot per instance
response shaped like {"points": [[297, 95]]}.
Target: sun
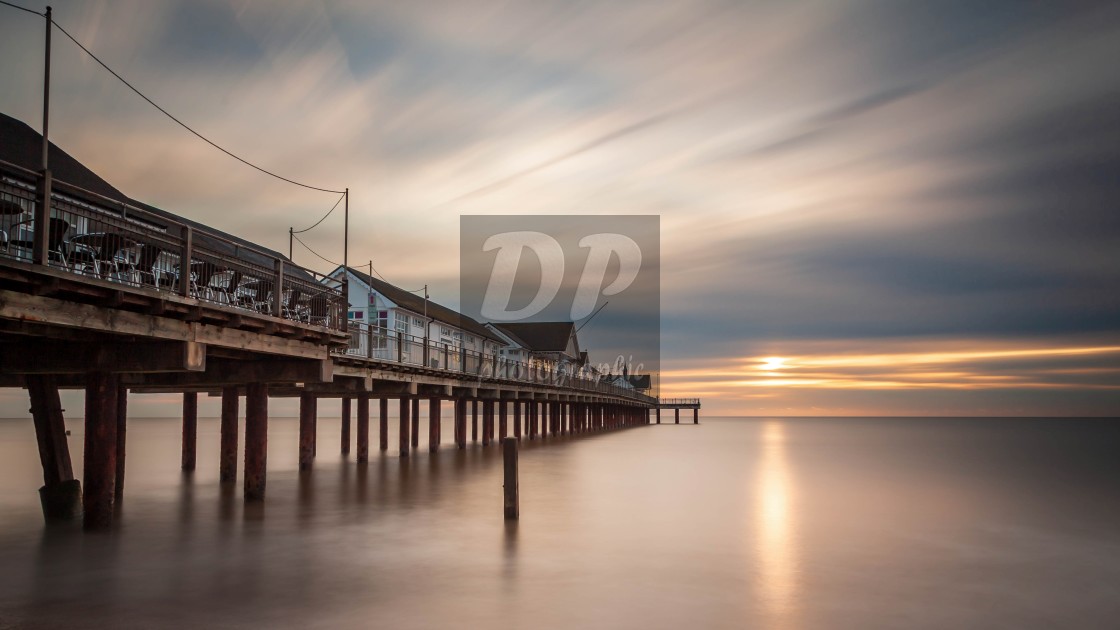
{"points": [[772, 364]]}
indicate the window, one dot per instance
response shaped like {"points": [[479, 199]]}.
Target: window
{"points": [[382, 319], [416, 321], [357, 314], [401, 322]]}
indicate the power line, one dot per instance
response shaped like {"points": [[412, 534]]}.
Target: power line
{"points": [[16, 6], [308, 248], [181, 123], [324, 216]]}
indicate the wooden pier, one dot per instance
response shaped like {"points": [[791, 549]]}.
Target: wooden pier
{"points": [[102, 293], [676, 404]]}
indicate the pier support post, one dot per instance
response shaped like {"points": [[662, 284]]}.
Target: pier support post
{"points": [[474, 420], [100, 472], [405, 407], [383, 424], [695, 416], [460, 406], [306, 430], [509, 461], [227, 458], [503, 425], [363, 429], [659, 414], [517, 419], [190, 429], [415, 423], [61, 494], [677, 415], [256, 440], [487, 421], [433, 424], [345, 437], [531, 419], [122, 434]]}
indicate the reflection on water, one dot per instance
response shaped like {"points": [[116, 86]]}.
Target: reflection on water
{"points": [[804, 523], [777, 580]]}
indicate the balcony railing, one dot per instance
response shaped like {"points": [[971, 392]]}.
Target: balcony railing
{"points": [[100, 238], [391, 346], [678, 402]]}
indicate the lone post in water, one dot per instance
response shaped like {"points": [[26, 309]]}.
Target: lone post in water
{"points": [[509, 455]]}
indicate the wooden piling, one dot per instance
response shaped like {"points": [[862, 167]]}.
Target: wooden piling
{"points": [[502, 420], [306, 430], [190, 429], [415, 423], [487, 421], [61, 494], [345, 437], [433, 424], [509, 461], [122, 434], [363, 429], [405, 407], [695, 416], [677, 415], [227, 458], [474, 420], [383, 423], [100, 470], [460, 423], [517, 419], [256, 440]]}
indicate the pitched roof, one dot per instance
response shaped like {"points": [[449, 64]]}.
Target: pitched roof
{"points": [[415, 303], [23, 146], [540, 336]]}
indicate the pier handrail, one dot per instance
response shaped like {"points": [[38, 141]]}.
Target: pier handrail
{"points": [[376, 343], [221, 270]]}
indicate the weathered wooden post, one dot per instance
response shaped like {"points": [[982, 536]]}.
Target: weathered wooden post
{"points": [[460, 422], [658, 414], [433, 424], [696, 416], [100, 470], [190, 429], [345, 425], [61, 494], [122, 434], [487, 420], [383, 423], [404, 408], [306, 429], [415, 423], [474, 420], [502, 420], [677, 415], [517, 419], [363, 429], [227, 458], [509, 459], [256, 440]]}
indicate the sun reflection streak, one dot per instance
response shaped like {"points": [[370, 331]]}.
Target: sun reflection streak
{"points": [[777, 569]]}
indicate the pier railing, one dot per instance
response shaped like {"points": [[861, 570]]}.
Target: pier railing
{"points": [[678, 402], [95, 237], [395, 347]]}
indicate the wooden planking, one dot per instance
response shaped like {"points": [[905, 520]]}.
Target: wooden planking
{"points": [[54, 356], [46, 310]]}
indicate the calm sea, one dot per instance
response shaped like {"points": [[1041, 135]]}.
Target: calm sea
{"points": [[735, 523]]}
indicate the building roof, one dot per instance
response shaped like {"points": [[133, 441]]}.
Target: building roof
{"points": [[541, 336], [415, 303], [22, 146]]}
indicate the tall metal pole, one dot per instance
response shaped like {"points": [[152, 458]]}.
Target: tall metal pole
{"points": [[40, 252], [290, 235], [346, 260]]}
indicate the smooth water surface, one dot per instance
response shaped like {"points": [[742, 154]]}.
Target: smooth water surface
{"points": [[768, 523]]}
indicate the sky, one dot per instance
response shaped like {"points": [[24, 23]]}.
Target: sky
{"points": [[867, 207]]}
